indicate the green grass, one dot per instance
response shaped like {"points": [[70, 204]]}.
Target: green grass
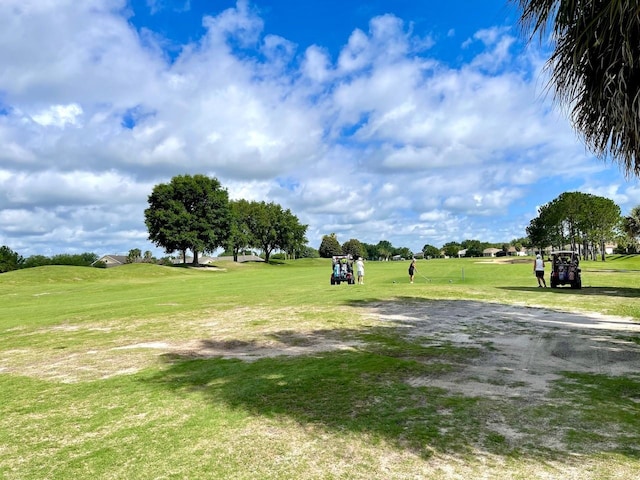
{"points": [[102, 375]]}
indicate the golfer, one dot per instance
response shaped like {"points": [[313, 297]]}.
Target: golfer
{"points": [[538, 269], [360, 269], [412, 269]]}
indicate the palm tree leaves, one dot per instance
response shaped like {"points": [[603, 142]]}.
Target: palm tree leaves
{"points": [[595, 69]]}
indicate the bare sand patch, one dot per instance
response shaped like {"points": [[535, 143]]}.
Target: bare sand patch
{"points": [[524, 348]]}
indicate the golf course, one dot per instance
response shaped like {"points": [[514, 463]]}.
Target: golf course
{"points": [[267, 371]]}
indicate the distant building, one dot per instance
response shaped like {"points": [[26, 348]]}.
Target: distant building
{"points": [[112, 260]]}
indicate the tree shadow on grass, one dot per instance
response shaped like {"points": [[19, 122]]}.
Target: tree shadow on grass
{"points": [[358, 391], [366, 393], [367, 389]]}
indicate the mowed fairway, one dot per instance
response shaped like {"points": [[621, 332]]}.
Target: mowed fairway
{"points": [[258, 371]]}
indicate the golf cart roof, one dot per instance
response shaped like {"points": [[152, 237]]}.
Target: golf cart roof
{"points": [[564, 252]]}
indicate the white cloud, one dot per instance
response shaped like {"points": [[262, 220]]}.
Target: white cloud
{"points": [[380, 140], [59, 115]]}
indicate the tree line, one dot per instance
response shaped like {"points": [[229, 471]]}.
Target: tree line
{"points": [[10, 260], [330, 246], [579, 221], [194, 213], [384, 250]]}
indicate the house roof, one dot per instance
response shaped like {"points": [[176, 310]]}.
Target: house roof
{"points": [[112, 260]]}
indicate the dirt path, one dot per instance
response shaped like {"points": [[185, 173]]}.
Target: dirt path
{"points": [[525, 348]]}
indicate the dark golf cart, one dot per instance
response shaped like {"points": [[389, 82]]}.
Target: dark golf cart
{"points": [[342, 270], [565, 269]]}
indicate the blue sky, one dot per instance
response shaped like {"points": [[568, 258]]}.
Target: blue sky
{"points": [[416, 122]]}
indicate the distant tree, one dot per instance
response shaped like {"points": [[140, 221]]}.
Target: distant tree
{"points": [[451, 249], [539, 231], [631, 226], [329, 246], [293, 234], [371, 251], [580, 220], [404, 252], [309, 252], [148, 257], [429, 251], [240, 236], [189, 213], [165, 261], [273, 228], [134, 255], [354, 248], [474, 248], [600, 224], [77, 260], [525, 242], [384, 249], [9, 260], [36, 261]]}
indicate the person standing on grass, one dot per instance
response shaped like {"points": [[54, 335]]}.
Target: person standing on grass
{"points": [[412, 269], [538, 269], [360, 269]]}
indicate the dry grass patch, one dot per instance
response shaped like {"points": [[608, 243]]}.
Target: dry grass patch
{"points": [[80, 352]]}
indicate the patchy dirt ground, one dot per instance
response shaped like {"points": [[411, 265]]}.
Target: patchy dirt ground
{"points": [[525, 348]]}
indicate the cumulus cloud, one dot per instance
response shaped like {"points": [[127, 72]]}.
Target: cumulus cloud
{"points": [[379, 140]]}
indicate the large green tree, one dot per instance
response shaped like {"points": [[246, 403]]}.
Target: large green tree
{"points": [[601, 224], [451, 249], [293, 234], [580, 220], [9, 260], [594, 69], [371, 251], [273, 228], [474, 248], [240, 236], [385, 249], [429, 251], [329, 246], [354, 248], [189, 213]]}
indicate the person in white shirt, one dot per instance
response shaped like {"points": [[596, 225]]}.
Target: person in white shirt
{"points": [[538, 269], [360, 270]]}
